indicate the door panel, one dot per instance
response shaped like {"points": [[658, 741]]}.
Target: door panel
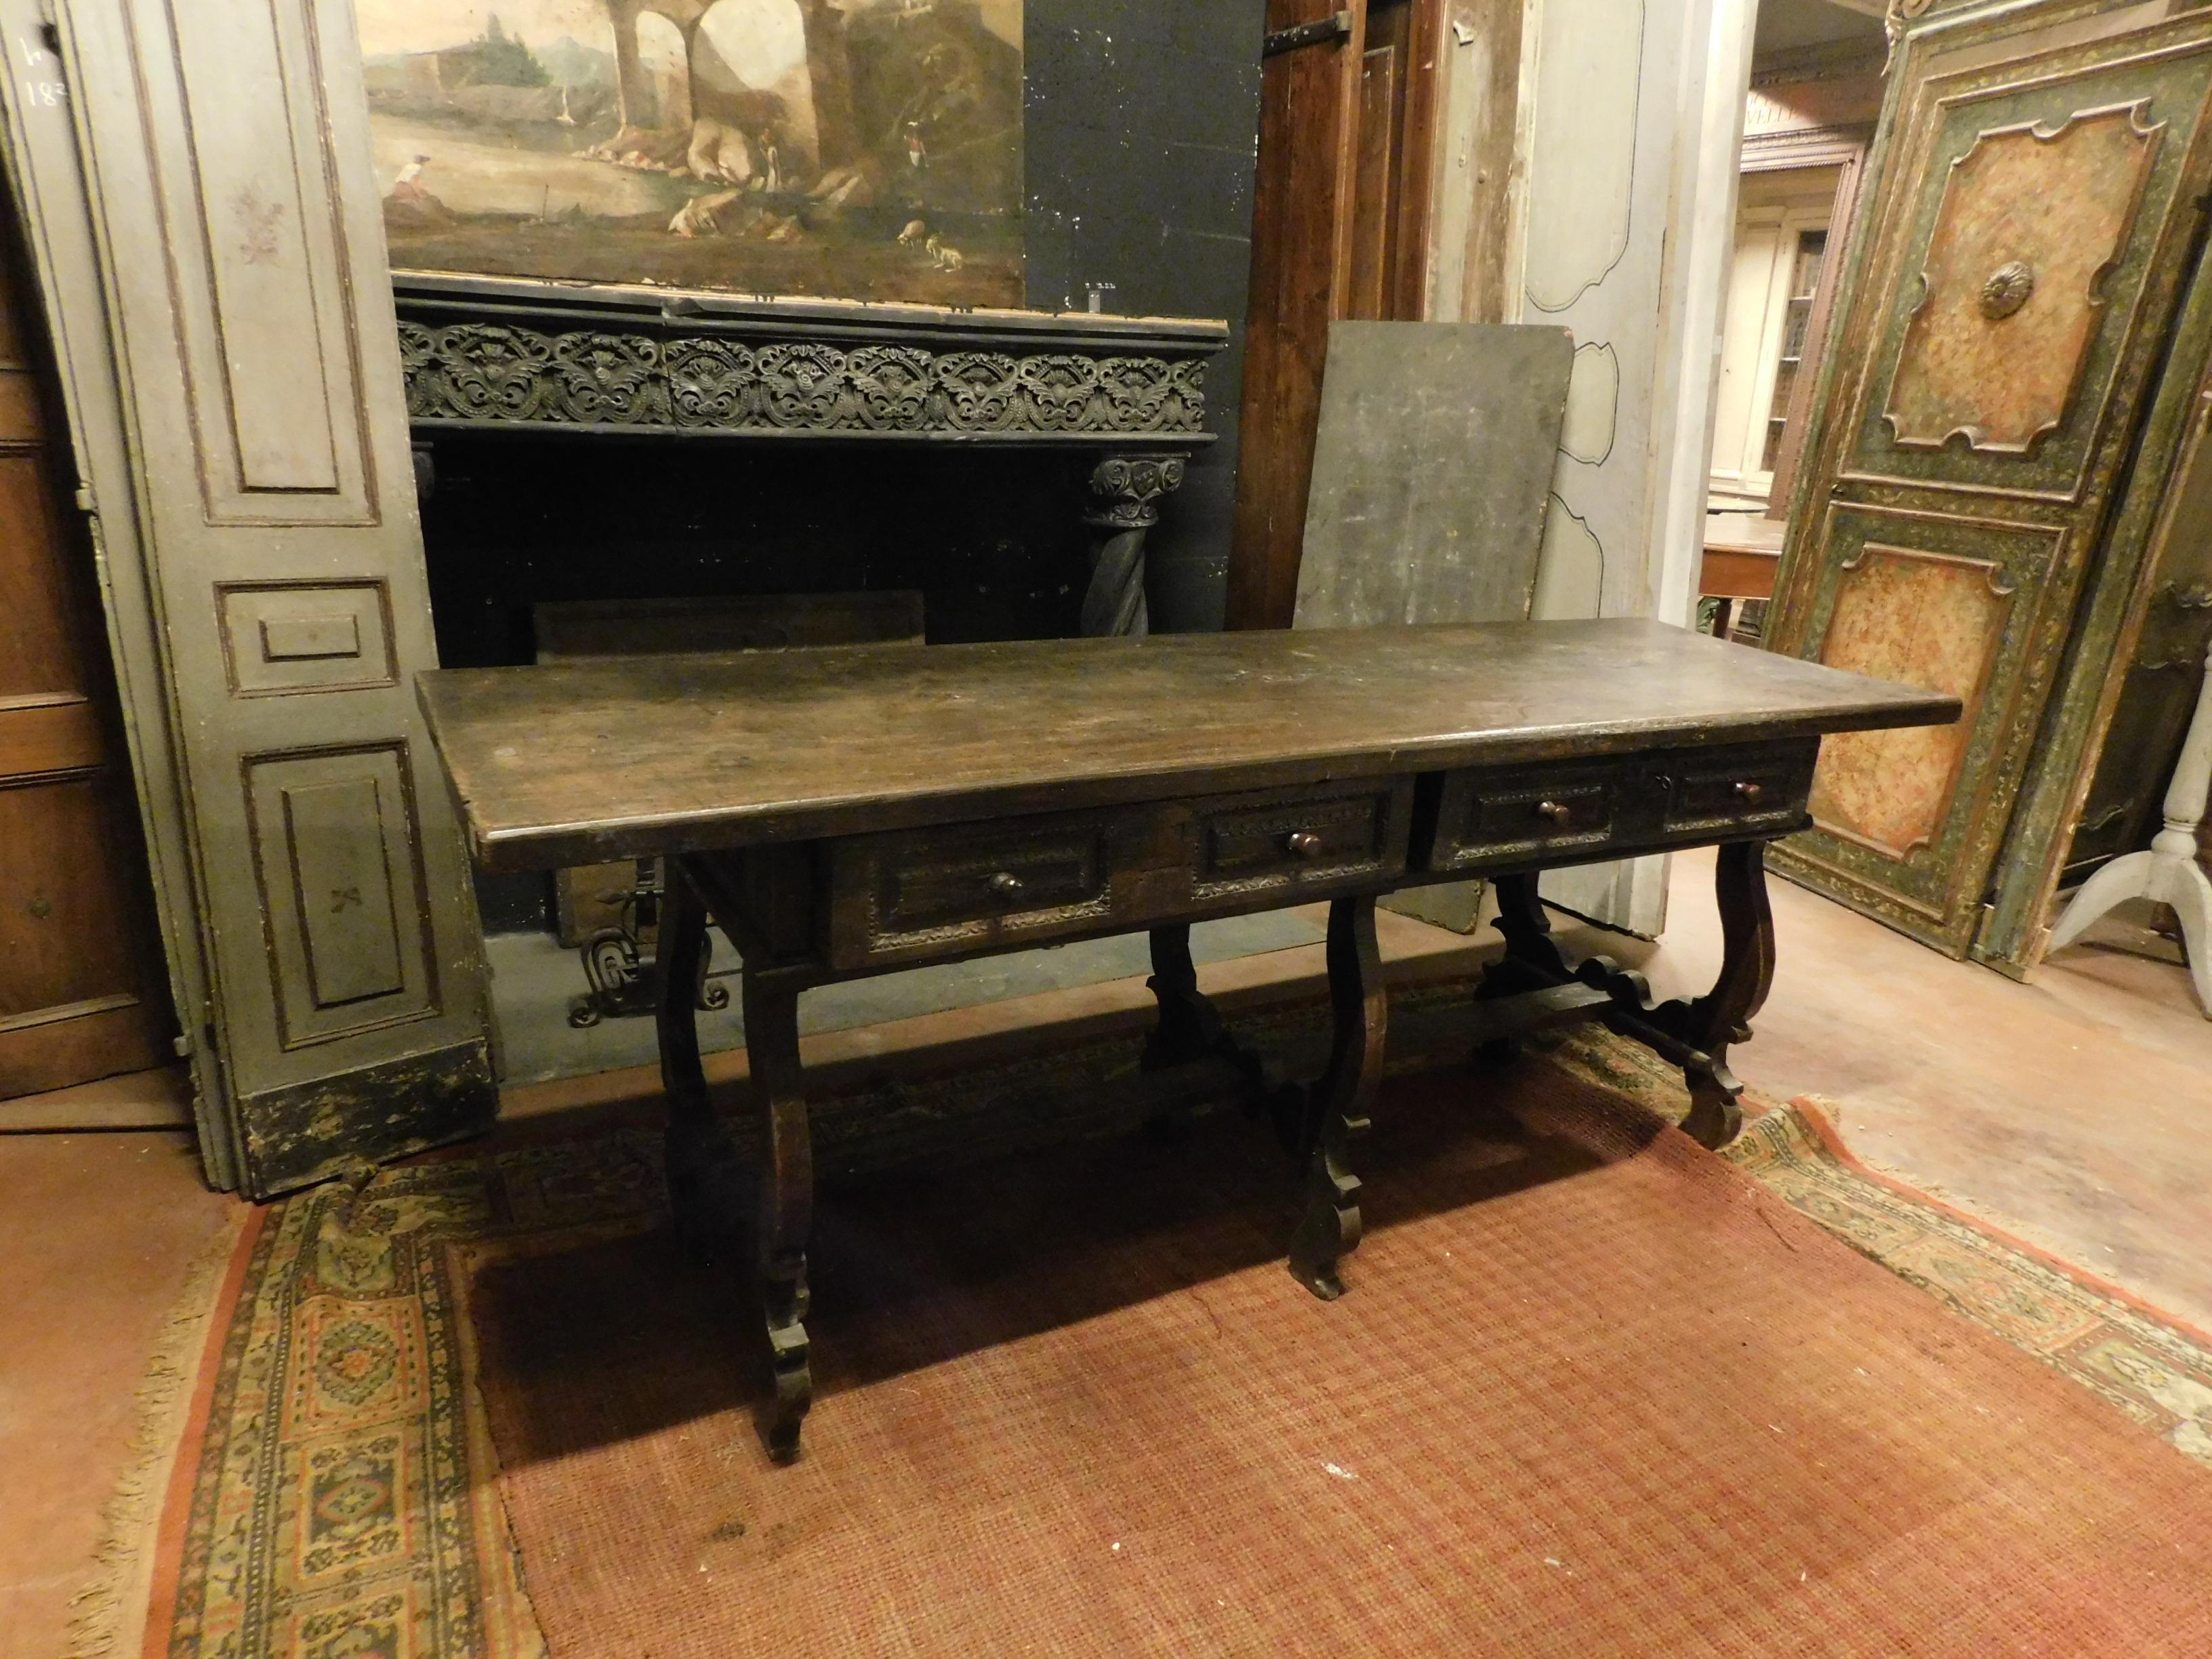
{"points": [[251, 311], [2044, 224], [81, 994], [1379, 182], [1340, 229], [2024, 249], [1945, 603], [1301, 273]]}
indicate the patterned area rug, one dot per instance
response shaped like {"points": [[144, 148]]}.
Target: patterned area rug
{"points": [[333, 1494]]}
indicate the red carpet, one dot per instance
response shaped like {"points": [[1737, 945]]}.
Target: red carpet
{"points": [[1594, 1393]]}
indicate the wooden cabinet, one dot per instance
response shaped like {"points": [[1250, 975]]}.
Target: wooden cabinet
{"points": [[82, 994]]}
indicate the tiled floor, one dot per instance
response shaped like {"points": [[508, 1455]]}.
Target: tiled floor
{"points": [[2073, 1111]]}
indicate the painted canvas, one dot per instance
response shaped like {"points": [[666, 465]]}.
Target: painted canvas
{"points": [[853, 149]]}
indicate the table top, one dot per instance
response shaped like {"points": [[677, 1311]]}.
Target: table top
{"points": [[631, 757]]}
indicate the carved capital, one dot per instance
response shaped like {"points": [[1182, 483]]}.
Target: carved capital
{"points": [[1125, 490]]}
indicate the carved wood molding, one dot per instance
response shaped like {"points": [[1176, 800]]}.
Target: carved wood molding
{"points": [[1788, 147], [482, 354]]}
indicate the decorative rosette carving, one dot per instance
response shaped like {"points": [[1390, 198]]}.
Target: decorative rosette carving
{"points": [[1128, 489], [713, 383]]}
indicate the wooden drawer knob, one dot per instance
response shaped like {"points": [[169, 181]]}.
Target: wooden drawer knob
{"points": [[1006, 883], [1749, 792], [1305, 844], [1557, 812]]}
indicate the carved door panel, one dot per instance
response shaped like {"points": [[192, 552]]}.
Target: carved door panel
{"points": [[252, 321], [2013, 280], [81, 990]]}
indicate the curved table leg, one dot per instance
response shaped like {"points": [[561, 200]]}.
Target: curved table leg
{"points": [[706, 1183], [1723, 1016], [1337, 1112], [787, 1205], [1191, 1029], [1695, 1032], [1532, 957]]}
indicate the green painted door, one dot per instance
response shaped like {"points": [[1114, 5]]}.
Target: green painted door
{"points": [[2014, 277]]}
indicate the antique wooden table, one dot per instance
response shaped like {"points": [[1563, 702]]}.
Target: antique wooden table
{"points": [[854, 811]]}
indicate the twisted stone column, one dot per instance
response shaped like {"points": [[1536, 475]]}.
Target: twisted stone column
{"points": [[1125, 491]]}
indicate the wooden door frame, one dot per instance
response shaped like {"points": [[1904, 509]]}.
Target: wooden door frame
{"points": [[1409, 283], [1263, 577], [1263, 564], [129, 1027], [1846, 149]]}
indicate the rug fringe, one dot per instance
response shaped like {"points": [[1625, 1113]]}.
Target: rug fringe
{"points": [[100, 1613]]}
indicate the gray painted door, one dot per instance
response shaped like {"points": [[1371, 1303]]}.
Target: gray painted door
{"points": [[250, 316]]}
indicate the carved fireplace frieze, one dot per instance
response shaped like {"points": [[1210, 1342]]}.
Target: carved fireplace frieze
{"points": [[485, 353]]}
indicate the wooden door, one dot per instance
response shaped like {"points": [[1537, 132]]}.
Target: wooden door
{"points": [[1392, 140], [82, 994], [1339, 229], [1301, 267], [249, 310], [2029, 221]]}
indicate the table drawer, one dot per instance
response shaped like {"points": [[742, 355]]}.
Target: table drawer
{"points": [[1740, 789], [1496, 814], [910, 895], [1292, 841], [1565, 811], [910, 892]]}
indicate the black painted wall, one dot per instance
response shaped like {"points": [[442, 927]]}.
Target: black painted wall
{"points": [[1141, 128]]}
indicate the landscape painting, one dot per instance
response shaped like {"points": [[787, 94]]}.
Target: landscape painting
{"points": [[866, 150]]}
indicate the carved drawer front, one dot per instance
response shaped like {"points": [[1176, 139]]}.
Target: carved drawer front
{"points": [[1498, 817], [1549, 809], [1292, 841], [1752, 789], [968, 886]]}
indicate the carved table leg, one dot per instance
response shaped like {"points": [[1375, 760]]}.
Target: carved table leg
{"points": [[1191, 1029], [1696, 1032], [786, 1203], [1723, 1014], [1190, 1026], [705, 1182], [1338, 1109], [1125, 491], [1532, 956]]}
